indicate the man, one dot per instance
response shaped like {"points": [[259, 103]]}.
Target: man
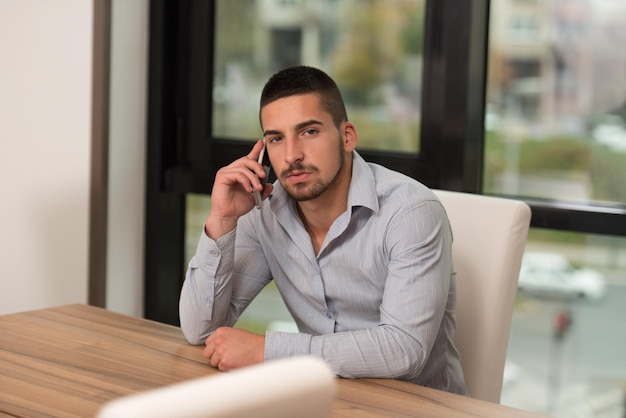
{"points": [[360, 254]]}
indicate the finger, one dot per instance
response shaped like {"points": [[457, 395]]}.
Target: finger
{"points": [[209, 348], [246, 165], [256, 154], [215, 361], [256, 150], [207, 352], [244, 175], [213, 356]]}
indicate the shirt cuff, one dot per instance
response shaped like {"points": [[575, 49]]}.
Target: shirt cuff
{"points": [[210, 254]]}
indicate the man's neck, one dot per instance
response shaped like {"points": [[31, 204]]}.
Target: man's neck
{"points": [[319, 214]]}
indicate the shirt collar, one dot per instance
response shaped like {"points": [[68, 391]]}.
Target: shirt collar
{"points": [[363, 185], [362, 190]]}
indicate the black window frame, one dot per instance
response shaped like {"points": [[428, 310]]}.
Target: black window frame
{"points": [[183, 156]]}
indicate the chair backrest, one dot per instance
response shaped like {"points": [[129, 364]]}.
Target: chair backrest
{"points": [[489, 237], [286, 388]]}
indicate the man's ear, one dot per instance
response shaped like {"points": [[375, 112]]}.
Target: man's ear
{"points": [[350, 136]]}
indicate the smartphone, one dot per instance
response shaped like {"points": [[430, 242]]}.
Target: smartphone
{"points": [[264, 161]]}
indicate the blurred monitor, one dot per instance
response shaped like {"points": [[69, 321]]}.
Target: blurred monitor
{"points": [[301, 387]]}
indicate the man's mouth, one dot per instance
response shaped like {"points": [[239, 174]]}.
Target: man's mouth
{"points": [[298, 176]]}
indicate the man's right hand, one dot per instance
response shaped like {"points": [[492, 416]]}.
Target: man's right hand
{"points": [[232, 192]]}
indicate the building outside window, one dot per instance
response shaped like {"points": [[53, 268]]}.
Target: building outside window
{"points": [[556, 131]]}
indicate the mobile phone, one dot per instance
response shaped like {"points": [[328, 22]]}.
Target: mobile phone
{"points": [[258, 200]]}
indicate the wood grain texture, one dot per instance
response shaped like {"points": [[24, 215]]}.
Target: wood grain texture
{"points": [[67, 361]]}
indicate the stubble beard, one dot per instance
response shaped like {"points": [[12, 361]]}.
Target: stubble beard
{"points": [[302, 192]]}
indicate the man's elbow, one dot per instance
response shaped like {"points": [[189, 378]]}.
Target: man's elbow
{"points": [[406, 369], [410, 361], [193, 335]]}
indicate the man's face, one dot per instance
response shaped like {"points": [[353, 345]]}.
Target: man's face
{"points": [[306, 149]]}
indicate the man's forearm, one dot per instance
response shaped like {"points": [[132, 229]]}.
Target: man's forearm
{"points": [[205, 296], [367, 353], [215, 228]]}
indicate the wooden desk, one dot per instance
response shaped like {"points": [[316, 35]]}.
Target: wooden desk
{"points": [[67, 361]]}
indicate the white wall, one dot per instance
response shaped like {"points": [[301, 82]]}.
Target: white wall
{"points": [[45, 142], [127, 131], [45, 145]]}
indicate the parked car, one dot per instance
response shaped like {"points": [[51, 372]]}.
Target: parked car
{"points": [[550, 274], [611, 132]]}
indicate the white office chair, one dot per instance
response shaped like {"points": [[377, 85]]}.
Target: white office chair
{"points": [[489, 238], [286, 388]]}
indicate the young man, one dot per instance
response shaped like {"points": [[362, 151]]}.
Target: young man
{"points": [[360, 254]]}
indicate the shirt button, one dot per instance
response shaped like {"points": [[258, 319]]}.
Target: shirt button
{"points": [[215, 253], [328, 315]]}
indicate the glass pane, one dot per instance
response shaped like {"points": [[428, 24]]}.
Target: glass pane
{"points": [[372, 48], [556, 111], [568, 340]]}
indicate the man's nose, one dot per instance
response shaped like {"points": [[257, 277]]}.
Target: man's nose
{"points": [[293, 150]]}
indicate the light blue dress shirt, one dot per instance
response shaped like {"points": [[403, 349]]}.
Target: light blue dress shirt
{"points": [[378, 300]]}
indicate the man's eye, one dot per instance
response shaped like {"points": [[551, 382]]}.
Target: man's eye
{"points": [[274, 139], [310, 132]]}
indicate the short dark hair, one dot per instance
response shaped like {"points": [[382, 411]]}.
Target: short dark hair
{"points": [[301, 79]]}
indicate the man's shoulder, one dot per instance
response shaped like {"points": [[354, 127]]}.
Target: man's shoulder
{"points": [[392, 185]]}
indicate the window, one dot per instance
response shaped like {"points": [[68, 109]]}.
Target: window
{"points": [[374, 53], [556, 130], [517, 98], [555, 134]]}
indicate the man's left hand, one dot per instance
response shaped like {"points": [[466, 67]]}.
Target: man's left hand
{"points": [[232, 348]]}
